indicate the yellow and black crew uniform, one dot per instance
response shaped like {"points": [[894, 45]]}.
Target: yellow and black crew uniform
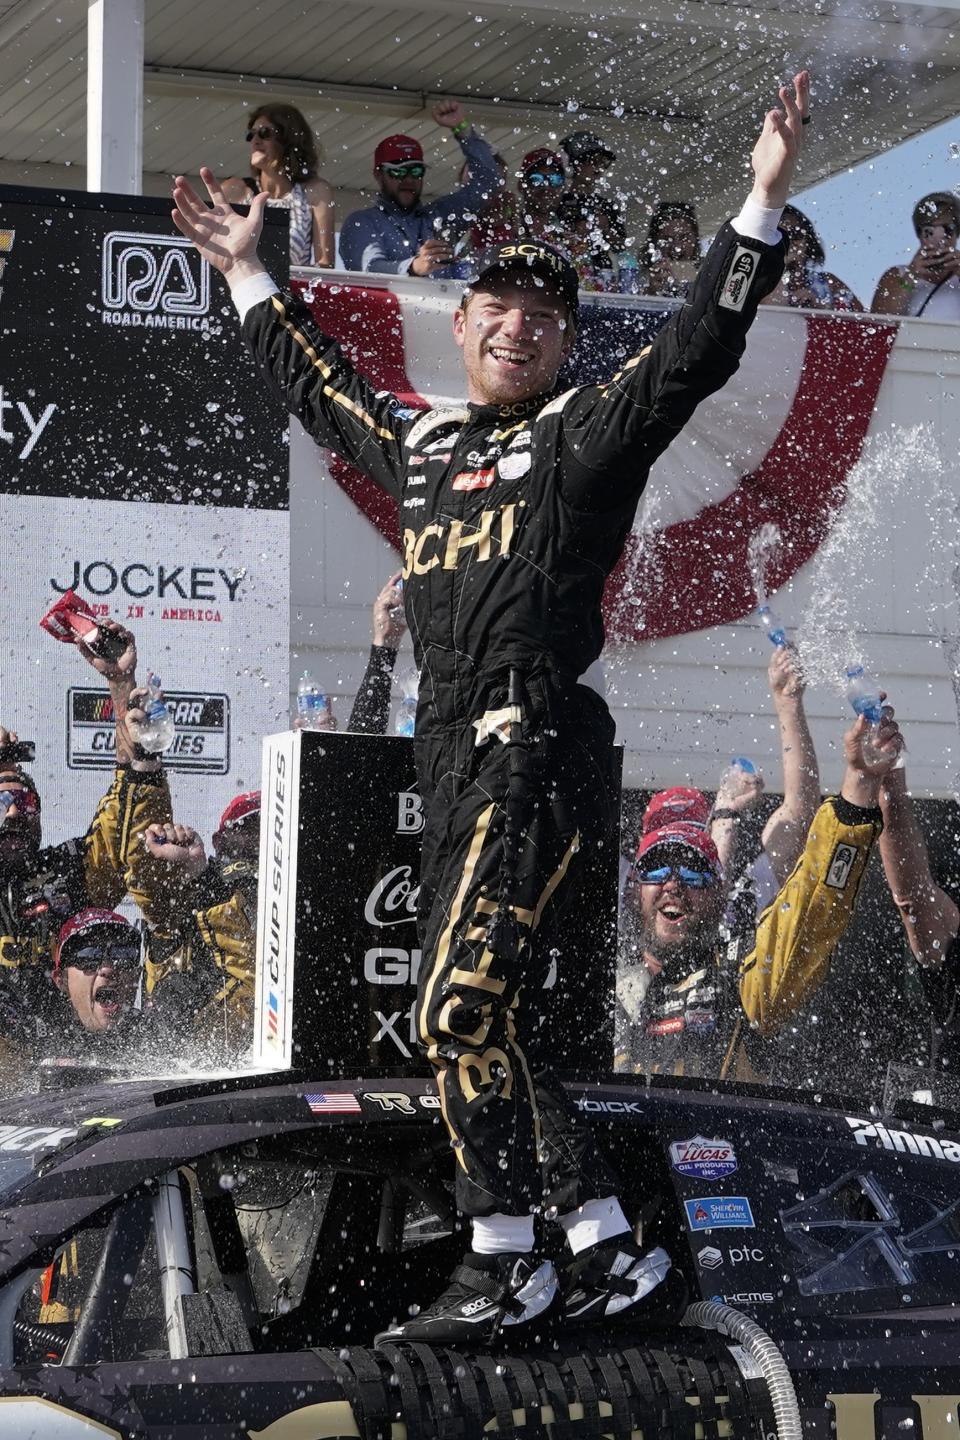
{"points": [[716, 1021]]}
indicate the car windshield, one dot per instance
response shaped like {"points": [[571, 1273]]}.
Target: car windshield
{"points": [[13, 1168]]}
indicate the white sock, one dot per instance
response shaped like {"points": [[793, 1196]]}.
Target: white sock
{"points": [[503, 1235], [594, 1222]]}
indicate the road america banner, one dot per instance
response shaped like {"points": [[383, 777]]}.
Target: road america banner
{"points": [[143, 465]]}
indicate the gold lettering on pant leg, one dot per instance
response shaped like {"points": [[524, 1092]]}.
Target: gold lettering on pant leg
{"points": [[478, 1036], [938, 1416], [482, 1066], [855, 1416]]}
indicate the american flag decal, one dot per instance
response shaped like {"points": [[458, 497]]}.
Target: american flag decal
{"points": [[333, 1102]]}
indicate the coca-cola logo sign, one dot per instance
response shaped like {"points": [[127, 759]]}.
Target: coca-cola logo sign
{"points": [[702, 1158], [393, 900]]}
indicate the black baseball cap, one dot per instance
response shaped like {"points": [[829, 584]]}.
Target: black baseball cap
{"points": [[583, 143], [535, 256]]}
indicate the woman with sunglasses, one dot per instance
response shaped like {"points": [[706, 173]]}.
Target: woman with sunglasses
{"points": [[284, 165], [930, 284]]}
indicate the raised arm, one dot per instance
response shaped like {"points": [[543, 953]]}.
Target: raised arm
{"points": [[799, 931], [456, 209], [615, 432], [786, 830], [930, 918], [305, 368]]}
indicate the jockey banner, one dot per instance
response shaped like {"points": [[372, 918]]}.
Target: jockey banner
{"points": [[142, 465], [776, 445]]}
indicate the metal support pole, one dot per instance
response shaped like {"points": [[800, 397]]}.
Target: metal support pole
{"points": [[115, 96], [173, 1258]]}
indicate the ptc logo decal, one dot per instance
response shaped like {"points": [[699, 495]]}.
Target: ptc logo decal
{"points": [[153, 281], [709, 1258], [703, 1159]]}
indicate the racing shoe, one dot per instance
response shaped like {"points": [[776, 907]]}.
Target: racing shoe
{"points": [[617, 1278], [486, 1295]]}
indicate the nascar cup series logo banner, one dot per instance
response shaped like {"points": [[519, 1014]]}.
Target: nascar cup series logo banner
{"points": [[142, 465], [776, 444]]}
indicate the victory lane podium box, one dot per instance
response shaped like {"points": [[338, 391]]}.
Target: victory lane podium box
{"points": [[337, 947]]}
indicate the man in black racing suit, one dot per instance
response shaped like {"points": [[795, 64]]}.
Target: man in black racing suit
{"points": [[514, 510]]}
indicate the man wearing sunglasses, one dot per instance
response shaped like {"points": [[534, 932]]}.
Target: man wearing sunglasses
{"points": [[541, 184], [400, 235], [514, 508], [42, 885], [97, 969], [681, 1008]]}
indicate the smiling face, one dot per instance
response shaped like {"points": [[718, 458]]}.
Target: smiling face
{"points": [[676, 920], [515, 332]]}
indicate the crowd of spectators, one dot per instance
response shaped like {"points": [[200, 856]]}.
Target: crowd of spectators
{"points": [[732, 914], [563, 196]]}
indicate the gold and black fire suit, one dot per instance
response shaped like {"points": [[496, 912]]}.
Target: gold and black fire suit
{"points": [[512, 518]]}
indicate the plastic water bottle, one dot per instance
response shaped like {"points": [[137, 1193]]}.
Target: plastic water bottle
{"points": [[406, 721], [311, 703], [157, 732], [776, 633], [739, 766], [864, 694], [628, 273]]}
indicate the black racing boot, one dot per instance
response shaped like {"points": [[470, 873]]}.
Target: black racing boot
{"points": [[487, 1294], [617, 1279]]}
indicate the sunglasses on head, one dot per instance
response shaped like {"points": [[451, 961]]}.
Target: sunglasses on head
{"points": [[264, 132], [415, 171], [25, 800], [537, 177], [90, 958], [686, 874]]}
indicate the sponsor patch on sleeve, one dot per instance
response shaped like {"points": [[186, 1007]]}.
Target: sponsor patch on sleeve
{"points": [[736, 286], [841, 864]]}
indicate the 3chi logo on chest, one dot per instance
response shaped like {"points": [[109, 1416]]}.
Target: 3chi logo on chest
{"points": [[489, 537]]}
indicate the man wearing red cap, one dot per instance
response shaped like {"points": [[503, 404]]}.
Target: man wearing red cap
{"points": [[401, 236], [541, 184], [514, 509], [97, 968], [680, 1008]]}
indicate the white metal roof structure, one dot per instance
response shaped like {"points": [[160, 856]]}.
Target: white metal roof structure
{"points": [[676, 86]]}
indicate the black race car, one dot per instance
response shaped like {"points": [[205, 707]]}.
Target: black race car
{"points": [[212, 1259]]}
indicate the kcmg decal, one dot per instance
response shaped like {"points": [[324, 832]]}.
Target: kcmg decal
{"points": [[154, 281]]}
